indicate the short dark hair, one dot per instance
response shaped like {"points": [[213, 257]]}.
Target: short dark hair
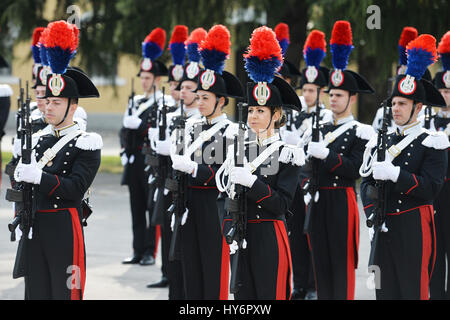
{"points": [[73, 101]]}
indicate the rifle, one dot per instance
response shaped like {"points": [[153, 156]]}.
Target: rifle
{"points": [[22, 195], [178, 186], [428, 117], [378, 193], [313, 188], [237, 207], [160, 170], [289, 118]]}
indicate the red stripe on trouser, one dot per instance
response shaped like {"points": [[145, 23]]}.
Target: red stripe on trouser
{"points": [[77, 289], [224, 270], [352, 242], [427, 224], [157, 237], [283, 290]]}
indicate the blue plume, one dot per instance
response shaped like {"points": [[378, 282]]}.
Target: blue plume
{"points": [[403, 58], [262, 71], [178, 51], [192, 52], [151, 50], [36, 54], [445, 59], [340, 54], [313, 57], [43, 55], [213, 59], [59, 59], [284, 44], [418, 62]]}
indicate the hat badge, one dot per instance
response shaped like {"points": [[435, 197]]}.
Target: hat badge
{"points": [[146, 64], [337, 77], [177, 72], [207, 79], [311, 74], [56, 84], [446, 79], [261, 93], [43, 75], [407, 85], [192, 70]]}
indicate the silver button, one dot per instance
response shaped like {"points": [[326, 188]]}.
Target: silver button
{"points": [[345, 139], [398, 210], [259, 207], [399, 201], [409, 154], [406, 163], [64, 171], [57, 198], [65, 162], [55, 206], [343, 147], [67, 153], [337, 178], [334, 184], [70, 145], [257, 216]]}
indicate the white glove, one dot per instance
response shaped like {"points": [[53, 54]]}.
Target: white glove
{"points": [[318, 150], [291, 137], [163, 147], [132, 122], [242, 176], [184, 164], [385, 171], [28, 172], [372, 231], [123, 159], [17, 148], [152, 132]]}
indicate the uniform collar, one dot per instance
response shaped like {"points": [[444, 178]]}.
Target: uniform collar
{"points": [[443, 114], [191, 112], [343, 120], [409, 129], [269, 140], [66, 130], [217, 119]]}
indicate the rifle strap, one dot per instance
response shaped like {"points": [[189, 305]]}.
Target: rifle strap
{"points": [[50, 153], [205, 136], [331, 136]]}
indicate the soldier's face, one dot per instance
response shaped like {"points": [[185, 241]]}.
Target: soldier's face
{"points": [[309, 92], [173, 92], [187, 92], [401, 110], [339, 101], [259, 119], [147, 81], [55, 110], [446, 94], [40, 92], [206, 101]]}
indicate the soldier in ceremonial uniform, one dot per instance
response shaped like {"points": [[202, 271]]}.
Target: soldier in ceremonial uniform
{"points": [[413, 173], [55, 257], [142, 114], [313, 78], [438, 287], [204, 254], [334, 222], [270, 175]]}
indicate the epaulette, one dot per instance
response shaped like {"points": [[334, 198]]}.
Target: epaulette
{"points": [[89, 141], [436, 140], [292, 154], [364, 131], [5, 90]]}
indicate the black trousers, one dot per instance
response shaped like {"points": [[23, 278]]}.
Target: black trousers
{"points": [[301, 256], [405, 255], [144, 235], [438, 288], [204, 253], [334, 239], [265, 265], [56, 261]]}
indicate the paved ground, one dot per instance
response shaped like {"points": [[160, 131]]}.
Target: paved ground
{"points": [[108, 241]]}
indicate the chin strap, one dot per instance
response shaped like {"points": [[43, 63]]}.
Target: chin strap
{"points": [[65, 114]]}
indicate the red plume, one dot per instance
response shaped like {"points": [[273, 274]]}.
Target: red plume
{"points": [[61, 34], [36, 35], [425, 42], [218, 38], [197, 36], [158, 36], [316, 40], [342, 33], [444, 44], [264, 45], [179, 34], [408, 35], [282, 31]]}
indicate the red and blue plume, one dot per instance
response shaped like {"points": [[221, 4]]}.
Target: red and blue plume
{"points": [[153, 45], [61, 43], [444, 51], [35, 44], [176, 44], [341, 44], [43, 47], [315, 48], [421, 53], [282, 33], [215, 49], [264, 56], [193, 43], [408, 35]]}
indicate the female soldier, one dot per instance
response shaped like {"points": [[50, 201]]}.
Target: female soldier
{"points": [[204, 256], [270, 176]]}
